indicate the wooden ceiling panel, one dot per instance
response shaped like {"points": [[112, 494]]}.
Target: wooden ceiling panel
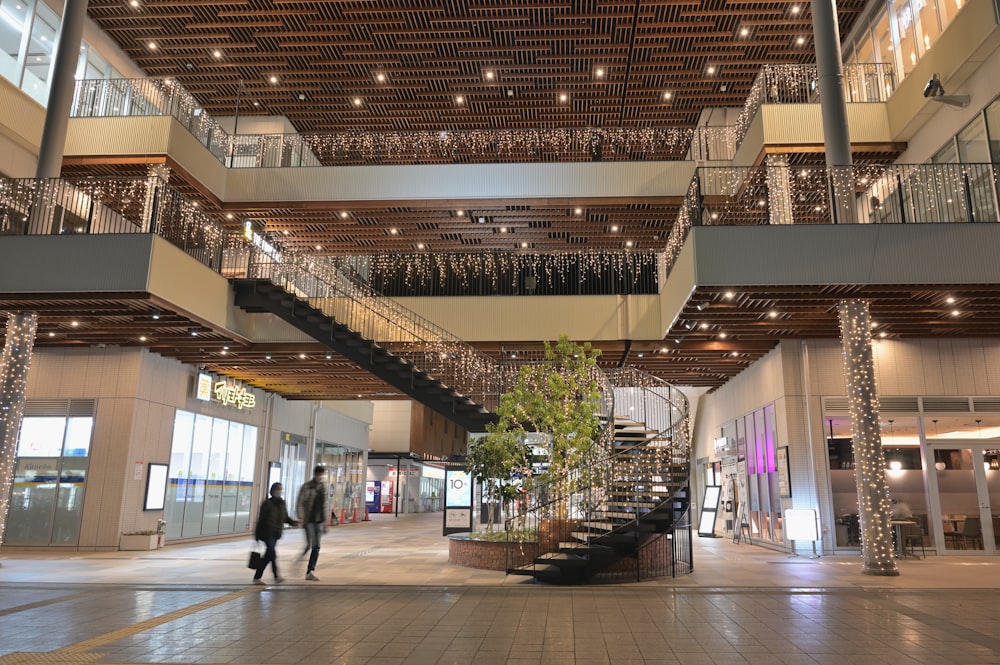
{"points": [[434, 51]]}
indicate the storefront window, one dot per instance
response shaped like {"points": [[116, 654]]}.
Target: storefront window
{"points": [[211, 476], [50, 472], [346, 477]]}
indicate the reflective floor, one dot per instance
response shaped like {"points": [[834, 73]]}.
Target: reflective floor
{"points": [[388, 596]]}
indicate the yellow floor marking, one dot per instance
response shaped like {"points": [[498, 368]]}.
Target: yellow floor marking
{"points": [[128, 631]]}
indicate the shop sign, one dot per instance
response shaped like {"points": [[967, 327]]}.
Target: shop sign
{"points": [[231, 394]]}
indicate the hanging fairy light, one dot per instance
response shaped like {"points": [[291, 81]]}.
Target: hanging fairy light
{"points": [[873, 491]]}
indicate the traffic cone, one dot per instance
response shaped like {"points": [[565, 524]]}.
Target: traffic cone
{"points": [[343, 515], [354, 518], [366, 512]]}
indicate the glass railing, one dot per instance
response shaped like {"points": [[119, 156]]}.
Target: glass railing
{"points": [[799, 84]]}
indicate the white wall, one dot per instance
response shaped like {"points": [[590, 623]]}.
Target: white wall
{"points": [[390, 426]]}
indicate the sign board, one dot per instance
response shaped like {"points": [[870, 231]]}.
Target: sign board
{"points": [[457, 501], [781, 460], [801, 524], [156, 486], [709, 509]]}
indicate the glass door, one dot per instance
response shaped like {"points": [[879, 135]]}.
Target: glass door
{"points": [[965, 485]]}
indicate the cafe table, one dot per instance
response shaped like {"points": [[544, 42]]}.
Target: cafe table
{"points": [[900, 545]]}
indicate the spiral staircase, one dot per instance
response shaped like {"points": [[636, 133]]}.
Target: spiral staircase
{"points": [[632, 520]]}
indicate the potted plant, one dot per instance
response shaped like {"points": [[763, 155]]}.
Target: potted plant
{"points": [[139, 540]]}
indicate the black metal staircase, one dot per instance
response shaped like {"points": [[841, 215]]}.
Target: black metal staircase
{"points": [[260, 295]]}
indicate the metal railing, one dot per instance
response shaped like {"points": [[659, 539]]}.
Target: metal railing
{"points": [[489, 273], [799, 84], [94, 98], [94, 206]]}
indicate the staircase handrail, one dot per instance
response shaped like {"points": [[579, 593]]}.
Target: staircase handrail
{"points": [[347, 299]]}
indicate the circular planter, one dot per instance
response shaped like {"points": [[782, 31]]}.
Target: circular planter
{"points": [[486, 554]]}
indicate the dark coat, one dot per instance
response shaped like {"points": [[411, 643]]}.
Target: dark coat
{"points": [[272, 518]]}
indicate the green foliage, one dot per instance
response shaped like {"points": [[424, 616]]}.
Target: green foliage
{"points": [[559, 397]]}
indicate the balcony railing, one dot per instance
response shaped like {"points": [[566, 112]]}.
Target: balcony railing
{"points": [[859, 194], [95, 98], [799, 84], [93, 206]]}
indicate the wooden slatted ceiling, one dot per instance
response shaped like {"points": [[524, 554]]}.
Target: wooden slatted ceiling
{"points": [[431, 52], [706, 347]]}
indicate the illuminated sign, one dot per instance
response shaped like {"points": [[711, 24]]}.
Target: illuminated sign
{"points": [[203, 387], [230, 394]]}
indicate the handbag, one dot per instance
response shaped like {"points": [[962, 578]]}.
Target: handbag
{"points": [[254, 562]]}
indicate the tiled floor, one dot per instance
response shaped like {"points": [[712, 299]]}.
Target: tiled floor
{"points": [[388, 596]]}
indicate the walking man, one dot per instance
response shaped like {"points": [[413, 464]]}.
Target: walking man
{"points": [[270, 523], [313, 507]]}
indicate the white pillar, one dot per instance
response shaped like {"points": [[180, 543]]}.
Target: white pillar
{"points": [[869, 461]]}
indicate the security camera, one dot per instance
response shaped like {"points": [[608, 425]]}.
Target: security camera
{"points": [[933, 87]]}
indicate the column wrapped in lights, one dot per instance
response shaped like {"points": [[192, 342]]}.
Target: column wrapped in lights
{"points": [[779, 190], [873, 491], [14, 364]]}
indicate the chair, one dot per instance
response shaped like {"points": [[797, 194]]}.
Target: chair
{"points": [[913, 535], [972, 531]]}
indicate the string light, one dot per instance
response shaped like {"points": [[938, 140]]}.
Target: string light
{"points": [[14, 365], [873, 491]]}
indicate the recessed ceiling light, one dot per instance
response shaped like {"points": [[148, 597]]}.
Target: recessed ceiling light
{"points": [[800, 41], [151, 45], [489, 75], [563, 97], [639, 355], [343, 215], [420, 245], [329, 356], [74, 323], [460, 213], [796, 9], [52, 334], [319, 247], [302, 356], [524, 244], [267, 356], [142, 338], [668, 95], [729, 295], [704, 326], [274, 79], [194, 332], [614, 228], [711, 70], [735, 354], [256, 103], [229, 215], [393, 231], [578, 211], [955, 312], [629, 243], [216, 54], [357, 101], [481, 220], [459, 100], [883, 334], [949, 300], [744, 32], [503, 229], [599, 72], [133, 3], [286, 232], [722, 335], [773, 314], [380, 77], [714, 215]]}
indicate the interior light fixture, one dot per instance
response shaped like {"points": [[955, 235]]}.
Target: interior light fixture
{"points": [[357, 101], [949, 300], [744, 32], [614, 228], [273, 79], [459, 100], [563, 97], [302, 356], [599, 73], [329, 356], [728, 295], [704, 326], [800, 41], [217, 54], [142, 338], [489, 75], [52, 334], [74, 324], [134, 4], [723, 335], [773, 314], [420, 245], [667, 95], [267, 356], [578, 211], [955, 312], [151, 46], [343, 215], [710, 70], [393, 231], [193, 332], [795, 9], [380, 77], [524, 245], [629, 243], [460, 213], [156, 315]]}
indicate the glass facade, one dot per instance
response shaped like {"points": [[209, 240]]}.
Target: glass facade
{"points": [[28, 31], [901, 32], [210, 481], [50, 473], [756, 448], [346, 467]]}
